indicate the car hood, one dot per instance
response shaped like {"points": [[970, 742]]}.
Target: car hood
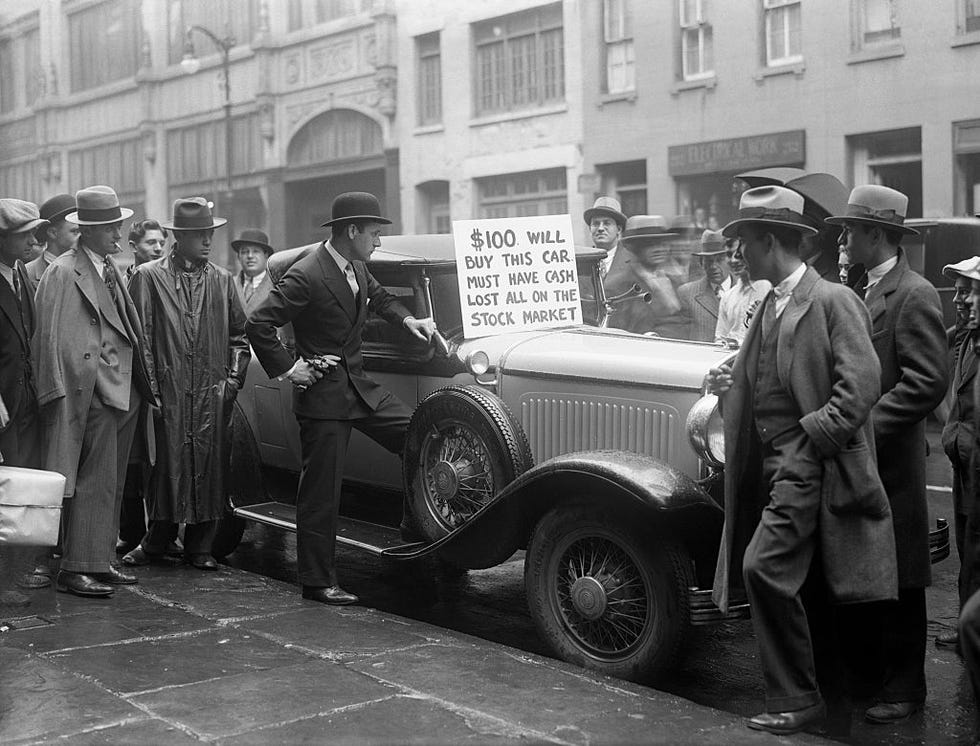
{"points": [[600, 354]]}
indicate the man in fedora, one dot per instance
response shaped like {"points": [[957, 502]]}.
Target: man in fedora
{"points": [[92, 379], [57, 237], [700, 299], [801, 492], [910, 342], [199, 355], [606, 222], [325, 295], [253, 282], [739, 303]]}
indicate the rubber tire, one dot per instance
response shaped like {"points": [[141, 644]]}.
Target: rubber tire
{"points": [[243, 484], [664, 566], [485, 416]]}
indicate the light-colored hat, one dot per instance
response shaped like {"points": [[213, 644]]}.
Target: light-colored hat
{"points": [[646, 228], [876, 205], [193, 214], [770, 205], [18, 216], [606, 206], [712, 244], [968, 268], [97, 205]]}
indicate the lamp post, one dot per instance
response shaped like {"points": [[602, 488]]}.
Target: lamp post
{"points": [[190, 64]]}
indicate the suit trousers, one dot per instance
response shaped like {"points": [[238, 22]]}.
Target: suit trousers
{"points": [[132, 512], [970, 645], [93, 524], [324, 450], [198, 537], [776, 565]]}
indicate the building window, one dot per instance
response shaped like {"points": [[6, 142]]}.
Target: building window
{"points": [[8, 101], [892, 158], [117, 163], [697, 56], [618, 34], [196, 154], [33, 75], [782, 29], [627, 182], [520, 60], [433, 207], [223, 17], [430, 79], [303, 13], [875, 22], [521, 195], [104, 43], [966, 152], [969, 16]]}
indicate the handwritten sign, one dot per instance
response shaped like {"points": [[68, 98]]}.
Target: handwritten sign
{"points": [[516, 274]]}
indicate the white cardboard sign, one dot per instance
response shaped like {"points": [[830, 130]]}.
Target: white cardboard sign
{"points": [[516, 274]]}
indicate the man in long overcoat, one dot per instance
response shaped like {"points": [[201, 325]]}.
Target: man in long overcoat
{"points": [[700, 299], [801, 484], [195, 325], [92, 378], [910, 342]]}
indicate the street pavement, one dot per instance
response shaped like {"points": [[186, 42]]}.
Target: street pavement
{"points": [[235, 657]]}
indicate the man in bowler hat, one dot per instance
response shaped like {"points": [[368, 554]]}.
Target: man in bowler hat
{"points": [[252, 282], [58, 236], [802, 489], [92, 378], [325, 295]]}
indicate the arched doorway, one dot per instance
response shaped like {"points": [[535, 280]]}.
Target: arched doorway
{"points": [[338, 151]]}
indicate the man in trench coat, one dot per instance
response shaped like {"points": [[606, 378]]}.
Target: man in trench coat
{"points": [[802, 484], [910, 342]]}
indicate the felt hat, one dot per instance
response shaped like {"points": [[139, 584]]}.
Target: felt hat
{"points": [[968, 268], [57, 207], [97, 205], [770, 205], [356, 206], [17, 216], [193, 214], [712, 244], [873, 204], [254, 237], [606, 206], [645, 229]]}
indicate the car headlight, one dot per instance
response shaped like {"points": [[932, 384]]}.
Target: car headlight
{"points": [[706, 431], [478, 362]]}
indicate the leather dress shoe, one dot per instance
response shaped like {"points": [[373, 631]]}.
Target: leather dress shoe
{"points": [[202, 561], [784, 723], [115, 576], [140, 556], [33, 580], [13, 600], [949, 639], [125, 547], [82, 585], [891, 712], [332, 594]]}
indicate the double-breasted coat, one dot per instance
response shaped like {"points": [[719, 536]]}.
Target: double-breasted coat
{"points": [[826, 362], [258, 295], [16, 328], [700, 305], [910, 340]]}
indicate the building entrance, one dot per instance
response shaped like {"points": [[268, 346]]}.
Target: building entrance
{"points": [[308, 202]]}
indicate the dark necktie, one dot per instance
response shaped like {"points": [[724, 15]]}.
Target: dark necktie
{"points": [[769, 314], [249, 289], [17, 292], [109, 277]]}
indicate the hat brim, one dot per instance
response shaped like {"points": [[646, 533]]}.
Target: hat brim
{"points": [[215, 223], [238, 244], [124, 214], [617, 216], [349, 218], [731, 230], [33, 225], [715, 252], [650, 237], [841, 219], [60, 215]]}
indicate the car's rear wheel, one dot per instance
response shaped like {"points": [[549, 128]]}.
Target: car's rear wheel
{"points": [[608, 595], [463, 447]]}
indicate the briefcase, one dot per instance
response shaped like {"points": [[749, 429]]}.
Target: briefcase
{"points": [[30, 506]]}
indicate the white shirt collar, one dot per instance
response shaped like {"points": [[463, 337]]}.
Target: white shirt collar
{"points": [[255, 281], [788, 285], [876, 273], [49, 257], [96, 260], [8, 274], [342, 262]]}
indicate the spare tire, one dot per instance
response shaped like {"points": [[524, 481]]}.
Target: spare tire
{"points": [[463, 447]]}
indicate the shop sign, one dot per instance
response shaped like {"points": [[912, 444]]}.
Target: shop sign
{"points": [[738, 154]]}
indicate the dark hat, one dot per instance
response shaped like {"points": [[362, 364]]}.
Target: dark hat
{"points": [[253, 237], [712, 244], [57, 207], [97, 205], [193, 214], [823, 194], [606, 206], [646, 228], [17, 216], [770, 205], [873, 204], [356, 206]]}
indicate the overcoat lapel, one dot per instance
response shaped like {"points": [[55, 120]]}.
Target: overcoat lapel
{"points": [[967, 364], [877, 297], [336, 282], [707, 299], [27, 302], [360, 272], [799, 304], [8, 303]]}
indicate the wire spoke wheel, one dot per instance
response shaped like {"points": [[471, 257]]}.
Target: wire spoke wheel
{"points": [[457, 474]]}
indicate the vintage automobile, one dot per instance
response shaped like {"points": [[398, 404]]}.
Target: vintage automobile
{"points": [[597, 451]]}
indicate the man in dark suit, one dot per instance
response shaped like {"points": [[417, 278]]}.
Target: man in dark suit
{"points": [[19, 435], [326, 295], [92, 377], [253, 282], [910, 341], [700, 299], [801, 487], [58, 236]]}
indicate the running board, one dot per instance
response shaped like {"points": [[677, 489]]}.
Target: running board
{"points": [[373, 538]]}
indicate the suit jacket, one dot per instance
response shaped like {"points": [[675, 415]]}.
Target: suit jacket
{"points": [[825, 360], [35, 268], [67, 345], [700, 305], [959, 433], [17, 388], [258, 295], [315, 297]]}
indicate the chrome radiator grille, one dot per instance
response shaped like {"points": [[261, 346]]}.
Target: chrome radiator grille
{"points": [[556, 425]]}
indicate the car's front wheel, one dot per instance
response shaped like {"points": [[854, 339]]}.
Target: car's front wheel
{"points": [[606, 594]]}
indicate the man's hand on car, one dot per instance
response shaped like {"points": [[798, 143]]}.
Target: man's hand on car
{"points": [[421, 328], [719, 379]]}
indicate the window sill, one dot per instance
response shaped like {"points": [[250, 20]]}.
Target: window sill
{"points": [[706, 83], [428, 129], [512, 116], [966, 39], [870, 54], [106, 90], [792, 68], [612, 98]]}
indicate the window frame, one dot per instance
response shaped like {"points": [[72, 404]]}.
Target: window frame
{"points": [[514, 201], [705, 38], [770, 9], [428, 102], [618, 46], [115, 65], [860, 31]]}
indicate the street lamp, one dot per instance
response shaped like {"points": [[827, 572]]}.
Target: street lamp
{"points": [[190, 64]]}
